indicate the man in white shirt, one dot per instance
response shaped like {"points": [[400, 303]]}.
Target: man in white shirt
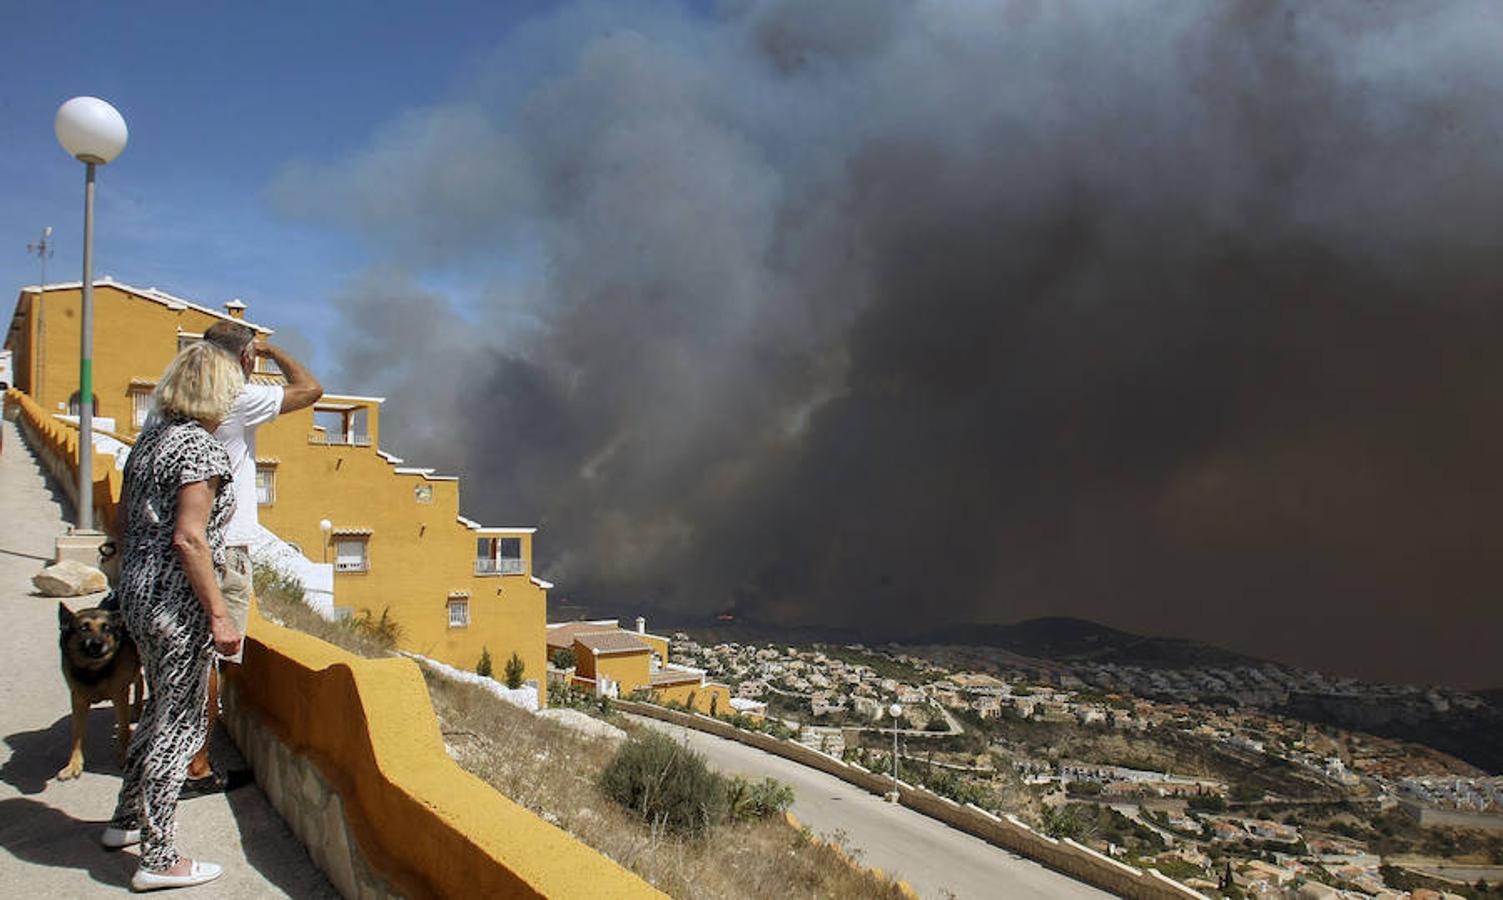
{"points": [[256, 405]]}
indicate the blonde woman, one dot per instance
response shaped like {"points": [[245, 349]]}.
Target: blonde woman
{"points": [[176, 501]]}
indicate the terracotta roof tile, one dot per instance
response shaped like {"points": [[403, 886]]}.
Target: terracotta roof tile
{"points": [[612, 642]]}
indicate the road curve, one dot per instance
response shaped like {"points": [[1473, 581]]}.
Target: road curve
{"points": [[935, 859]]}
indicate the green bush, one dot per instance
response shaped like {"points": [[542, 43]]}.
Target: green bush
{"points": [[1207, 803], [564, 659], [271, 581], [385, 631], [514, 670], [666, 784], [483, 668], [745, 800]]}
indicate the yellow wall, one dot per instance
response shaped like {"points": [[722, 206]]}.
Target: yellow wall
{"points": [[418, 553], [659, 645], [431, 828], [19, 340], [702, 697], [57, 444], [133, 338], [629, 670]]}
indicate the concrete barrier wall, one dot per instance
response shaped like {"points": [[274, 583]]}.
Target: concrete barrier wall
{"points": [[425, 826], [349, 751], [1068, 857], [56, 443]]}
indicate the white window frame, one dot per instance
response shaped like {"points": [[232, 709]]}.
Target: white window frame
{"points": [[347, 565], [353, 425], [271, 485], [140, 406], [459, 612], [490, 561]]}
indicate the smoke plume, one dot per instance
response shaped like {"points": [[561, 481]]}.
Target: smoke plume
{"points": [[1178, 317]]}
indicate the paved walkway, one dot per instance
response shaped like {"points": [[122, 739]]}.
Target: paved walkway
{"points": [[936, 860], [49, 829]]}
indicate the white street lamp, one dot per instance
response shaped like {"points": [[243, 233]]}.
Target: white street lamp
{"points": [[327, 528], [94, 132], [896, 712]]}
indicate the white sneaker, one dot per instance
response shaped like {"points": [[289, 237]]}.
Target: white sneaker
{"points": [[114, 838], [199, 873]]}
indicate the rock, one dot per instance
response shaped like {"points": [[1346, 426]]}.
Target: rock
{"points": [[70, 579], [584, 723]]}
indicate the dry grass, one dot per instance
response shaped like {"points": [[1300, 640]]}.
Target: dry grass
{"points": [[280, 601], [551, 770]]}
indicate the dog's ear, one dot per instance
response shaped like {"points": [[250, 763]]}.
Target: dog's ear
{"points": [[64, 615]]}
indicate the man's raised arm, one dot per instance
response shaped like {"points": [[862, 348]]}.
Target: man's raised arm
{"points": [[302, 388]]}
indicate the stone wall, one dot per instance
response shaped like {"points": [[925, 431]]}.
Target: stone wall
{"points": [[309, 805]]}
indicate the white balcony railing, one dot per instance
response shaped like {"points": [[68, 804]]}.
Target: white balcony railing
{"points": [[504, 566], [339, 440]]}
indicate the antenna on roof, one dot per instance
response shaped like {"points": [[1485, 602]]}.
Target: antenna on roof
{"points": [[43, 249]]}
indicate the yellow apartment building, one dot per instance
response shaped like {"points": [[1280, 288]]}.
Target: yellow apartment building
{"points": [[136, 333], [395, 538], [613, 662]]}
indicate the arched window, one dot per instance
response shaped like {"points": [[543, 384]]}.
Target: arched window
{"points": [[73, 404]]}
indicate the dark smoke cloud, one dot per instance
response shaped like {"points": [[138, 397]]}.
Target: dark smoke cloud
{"points": [[1180, 318]]}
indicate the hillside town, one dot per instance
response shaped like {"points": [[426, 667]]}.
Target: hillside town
{"points": [[1228, 799]]}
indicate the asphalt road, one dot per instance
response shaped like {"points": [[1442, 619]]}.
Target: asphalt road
{"points": [[935, 859]]}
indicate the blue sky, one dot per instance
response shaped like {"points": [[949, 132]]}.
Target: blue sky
{"points": [[219, 99]]}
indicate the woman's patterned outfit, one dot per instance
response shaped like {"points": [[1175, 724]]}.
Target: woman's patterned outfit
{"points": [[168, 624]]}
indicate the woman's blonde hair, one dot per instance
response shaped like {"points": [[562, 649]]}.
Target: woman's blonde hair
{"points": [[201, 383]]}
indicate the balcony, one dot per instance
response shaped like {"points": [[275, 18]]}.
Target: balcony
{"points": [[339, 440], [503, 566]]}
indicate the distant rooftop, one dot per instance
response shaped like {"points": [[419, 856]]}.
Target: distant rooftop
{"points": [[611, 642]]}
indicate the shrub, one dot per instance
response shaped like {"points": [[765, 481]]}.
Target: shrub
{"points": [[385, 631], [745, 800], [271, 581], [666, 784], [483, 668], [1207, 803], [514, 670], [564, 659]]}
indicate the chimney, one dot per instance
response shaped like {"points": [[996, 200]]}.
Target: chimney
{"points": [[236, 309], [641, 625]]}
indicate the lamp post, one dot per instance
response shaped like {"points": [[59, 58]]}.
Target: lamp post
{"points": [[896, 712], [94, 132], [327, 528]]}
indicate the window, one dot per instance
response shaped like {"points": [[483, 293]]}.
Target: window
{"points": [[350, 554], [73, 404], [184, 338], [266, 485], [341, 424], [140, 406], [459, 612], [499, 556], [423, 493], [509, 548]]}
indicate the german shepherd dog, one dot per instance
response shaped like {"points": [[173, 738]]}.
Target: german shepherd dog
{"points": [[100, 662]]}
